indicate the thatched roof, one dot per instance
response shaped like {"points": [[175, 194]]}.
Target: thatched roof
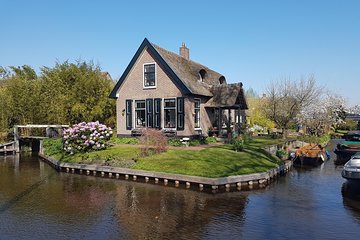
{"points": [[227, 96], [189, 72], [191, 78]]}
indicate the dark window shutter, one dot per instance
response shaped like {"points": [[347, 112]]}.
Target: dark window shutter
{"points": [[157, 113], [180, 113], [149, 113], [128, 106]]}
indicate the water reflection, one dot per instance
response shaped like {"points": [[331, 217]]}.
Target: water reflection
{"points": [[351, 198], [39, 198], [167, 213], [35, 200]]}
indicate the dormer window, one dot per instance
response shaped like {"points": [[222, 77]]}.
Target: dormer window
{"points": [[202, 75], [222, 80], [149, 75]]}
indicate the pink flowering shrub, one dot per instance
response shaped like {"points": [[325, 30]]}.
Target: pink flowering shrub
{"points": [[85, 137]]}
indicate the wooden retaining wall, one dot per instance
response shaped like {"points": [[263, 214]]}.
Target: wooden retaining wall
{"points": [[257, 180], [7, 148]]}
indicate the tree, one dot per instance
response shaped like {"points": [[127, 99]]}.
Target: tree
{"points": [[66, 94], [250, 93], [77, 92], [286, 98], [22, 90], [354, 109], [257, 113], [328, 113]]}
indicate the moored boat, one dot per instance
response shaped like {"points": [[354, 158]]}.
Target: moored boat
{"points": [[311, 154], [346, 149], [351, 170]]}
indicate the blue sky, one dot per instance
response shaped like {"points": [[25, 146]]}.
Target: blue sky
{"points": [[254, 42]]}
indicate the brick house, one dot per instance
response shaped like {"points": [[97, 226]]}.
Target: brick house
{"points": [[163, 90]]}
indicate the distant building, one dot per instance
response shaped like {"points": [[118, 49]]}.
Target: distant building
{"points": [[163, 90], [106, 75]]}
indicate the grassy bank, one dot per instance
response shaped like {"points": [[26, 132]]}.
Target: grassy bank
{"points": [[217, 161]]}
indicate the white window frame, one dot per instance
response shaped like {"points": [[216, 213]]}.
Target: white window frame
{"points": [[163, 109], [197, 99], [143, 74], [134, 118]]}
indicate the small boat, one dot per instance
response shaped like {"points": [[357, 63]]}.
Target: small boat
{"points": [[311, 154], [351, 170], [346, 149]]}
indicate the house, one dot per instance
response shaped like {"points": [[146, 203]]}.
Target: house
{"points": [[164, 90]]}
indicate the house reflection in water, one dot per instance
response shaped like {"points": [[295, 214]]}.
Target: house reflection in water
{"points": [[158, 212]]}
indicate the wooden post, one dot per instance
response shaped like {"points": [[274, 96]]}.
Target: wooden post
{"points": [[16, 139], [220, 120], [41, 150]]}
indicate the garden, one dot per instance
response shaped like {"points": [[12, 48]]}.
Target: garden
{"points": [[91, 143]]}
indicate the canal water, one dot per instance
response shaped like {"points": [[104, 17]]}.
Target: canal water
{"points": [[36, 202]]}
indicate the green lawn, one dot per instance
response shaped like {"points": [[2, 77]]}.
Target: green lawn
{"points": [[219, 161], [210, 162]]}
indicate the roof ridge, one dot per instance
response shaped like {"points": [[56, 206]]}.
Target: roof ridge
{"points": [[178, 55]]}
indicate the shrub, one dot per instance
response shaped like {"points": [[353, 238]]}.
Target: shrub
{"points": [[85, 137], [237, 144], [153, 141], [209, 140], [194, 142], [175, 142], [52, 146], [324, 139], [246, 137], [281, 153]]}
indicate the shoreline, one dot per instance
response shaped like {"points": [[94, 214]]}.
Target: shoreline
{"points": [[231, 183]]}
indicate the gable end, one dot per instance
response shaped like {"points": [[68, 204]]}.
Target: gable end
{"points": [[162, 63]]}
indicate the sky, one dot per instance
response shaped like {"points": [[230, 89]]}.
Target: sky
{"points": [[254, 42]]}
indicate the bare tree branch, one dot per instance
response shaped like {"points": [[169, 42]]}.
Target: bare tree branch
{"points": [[286, 98]]}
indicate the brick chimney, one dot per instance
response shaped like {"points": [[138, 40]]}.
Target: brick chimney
{"points": [[184, 52]]}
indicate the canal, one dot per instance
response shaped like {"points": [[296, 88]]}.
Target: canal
{"points": [[37, 202]]}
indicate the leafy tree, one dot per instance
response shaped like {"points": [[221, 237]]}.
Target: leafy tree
{"points": [[78, 92], [258, 114], [65, 94], [22, 91], [4, 112]]}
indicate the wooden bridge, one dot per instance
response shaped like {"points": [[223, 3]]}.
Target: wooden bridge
{"points": [[31, 135]]}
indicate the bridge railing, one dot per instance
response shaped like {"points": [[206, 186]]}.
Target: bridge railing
{"points": [[32, 130], [39, 130]]}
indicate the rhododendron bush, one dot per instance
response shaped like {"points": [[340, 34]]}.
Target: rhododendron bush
{"points": [[85, 137]]}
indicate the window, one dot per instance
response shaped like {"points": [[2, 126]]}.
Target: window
{"points": [[202, 75], [149, 75], [140, 114], [169, 113], [222, 80], [197, 113]]}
